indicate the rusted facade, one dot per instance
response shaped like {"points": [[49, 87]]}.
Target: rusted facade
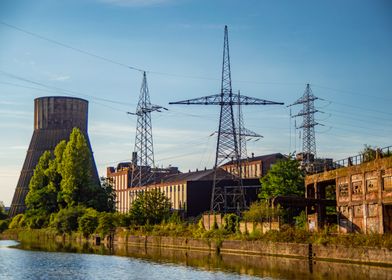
{"points": [[54, 119], [363, 196]]}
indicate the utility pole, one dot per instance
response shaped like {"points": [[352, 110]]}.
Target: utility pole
{"points": [[308, 124], [227, 198], [143, 155]]}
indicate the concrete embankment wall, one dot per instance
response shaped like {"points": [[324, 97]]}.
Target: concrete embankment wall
{"points": [[314, 252]]}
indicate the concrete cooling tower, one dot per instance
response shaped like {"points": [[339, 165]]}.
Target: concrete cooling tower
{"points": [[54, 119]]}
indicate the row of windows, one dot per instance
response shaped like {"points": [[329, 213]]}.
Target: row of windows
{"points": [[176, 195]]}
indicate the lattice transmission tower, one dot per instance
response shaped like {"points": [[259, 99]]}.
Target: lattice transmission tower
{"points": [[143, 155], [308, 124], [227, 198], [244, 134]]}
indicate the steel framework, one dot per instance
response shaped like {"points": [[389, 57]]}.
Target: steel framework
{"points": [[143, 155], [228, 137], [308, 124]]}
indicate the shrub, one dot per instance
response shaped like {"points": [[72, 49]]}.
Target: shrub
{"points": [[300, 220], [66, 219], [106, 223], [88, 223], [231, 223], [18, 221], [4, 225]]}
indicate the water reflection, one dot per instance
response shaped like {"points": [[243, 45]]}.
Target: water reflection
{"points": [[260, 266]]}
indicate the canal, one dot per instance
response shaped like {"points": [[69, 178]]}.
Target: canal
{"points": [[75, 261]]}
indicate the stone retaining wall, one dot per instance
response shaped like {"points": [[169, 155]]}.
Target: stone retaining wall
{"points": [[242, 247]]}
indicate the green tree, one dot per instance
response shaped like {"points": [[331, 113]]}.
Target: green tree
{"points": [[150, 207], [42, 195], [66, 220], [368, 153], [105, 196], [76, 171], [3, 214], [88, 223], [260, 211], [284, 178], [18, 221], [106, 223]]}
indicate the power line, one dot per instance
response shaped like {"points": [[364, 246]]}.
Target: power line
{"points": [[56, 89], [70, 47]]}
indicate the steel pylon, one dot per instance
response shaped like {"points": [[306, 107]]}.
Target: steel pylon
{"points": [[143, 155], [227, 198], [308, 124]]}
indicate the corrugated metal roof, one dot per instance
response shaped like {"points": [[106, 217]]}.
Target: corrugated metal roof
{"points": [[204, 175], [262, 158]]}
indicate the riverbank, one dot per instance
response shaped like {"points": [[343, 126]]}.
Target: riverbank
{"points": [[309, 251]]}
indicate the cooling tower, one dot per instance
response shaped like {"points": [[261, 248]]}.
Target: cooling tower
{"points": [[54, 119]]}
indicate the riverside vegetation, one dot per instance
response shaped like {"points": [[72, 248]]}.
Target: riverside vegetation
{"points": [[63, 200]]}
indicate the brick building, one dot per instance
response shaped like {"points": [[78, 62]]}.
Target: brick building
{"points": [[121, 177], [254, 167], [363, 191], [191, 192]]}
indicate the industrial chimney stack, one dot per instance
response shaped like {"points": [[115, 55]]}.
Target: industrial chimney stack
{"points": [[54, 119]]}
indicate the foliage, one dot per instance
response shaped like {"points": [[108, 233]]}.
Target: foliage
{"points": [[3, 214], [18, 221], [66, 220], [106, 223], [369, 153], [284, 178], [260, 211], [4, 225], [231, 223], [36, 218], [300, 220], [88, 223], [63, 180], [77, 186], [106, 196], [42, 195], [150, 207]]}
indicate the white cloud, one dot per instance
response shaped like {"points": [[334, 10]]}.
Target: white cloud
{"points": [[137, 3], [59, 77]]}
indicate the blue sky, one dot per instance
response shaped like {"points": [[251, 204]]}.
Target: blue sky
{"points": [[342, 48]]}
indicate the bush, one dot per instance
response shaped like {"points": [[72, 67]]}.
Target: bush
{"points": [[301, 221], [231, 223], [88, 223], [36, 219], [66, 219], [18, 221], [106, 223], [3, 225]]}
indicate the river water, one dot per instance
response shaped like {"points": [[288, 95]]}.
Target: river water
{"points": [[75, 261]]}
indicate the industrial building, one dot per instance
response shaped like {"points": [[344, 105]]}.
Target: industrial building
{"points": [[190, 193], [54, 119], [254, 167], [363, 190], [121, 178]]}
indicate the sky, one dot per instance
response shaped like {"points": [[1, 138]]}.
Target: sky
{"points": [[89, 48]]}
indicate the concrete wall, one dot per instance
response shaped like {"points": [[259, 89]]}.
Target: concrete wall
{"points": [[314, 252]]}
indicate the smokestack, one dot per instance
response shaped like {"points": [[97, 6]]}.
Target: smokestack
{"points": [[54, 119]]}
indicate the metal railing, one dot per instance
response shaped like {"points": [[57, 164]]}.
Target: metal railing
{"points": [[350, 161]]}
